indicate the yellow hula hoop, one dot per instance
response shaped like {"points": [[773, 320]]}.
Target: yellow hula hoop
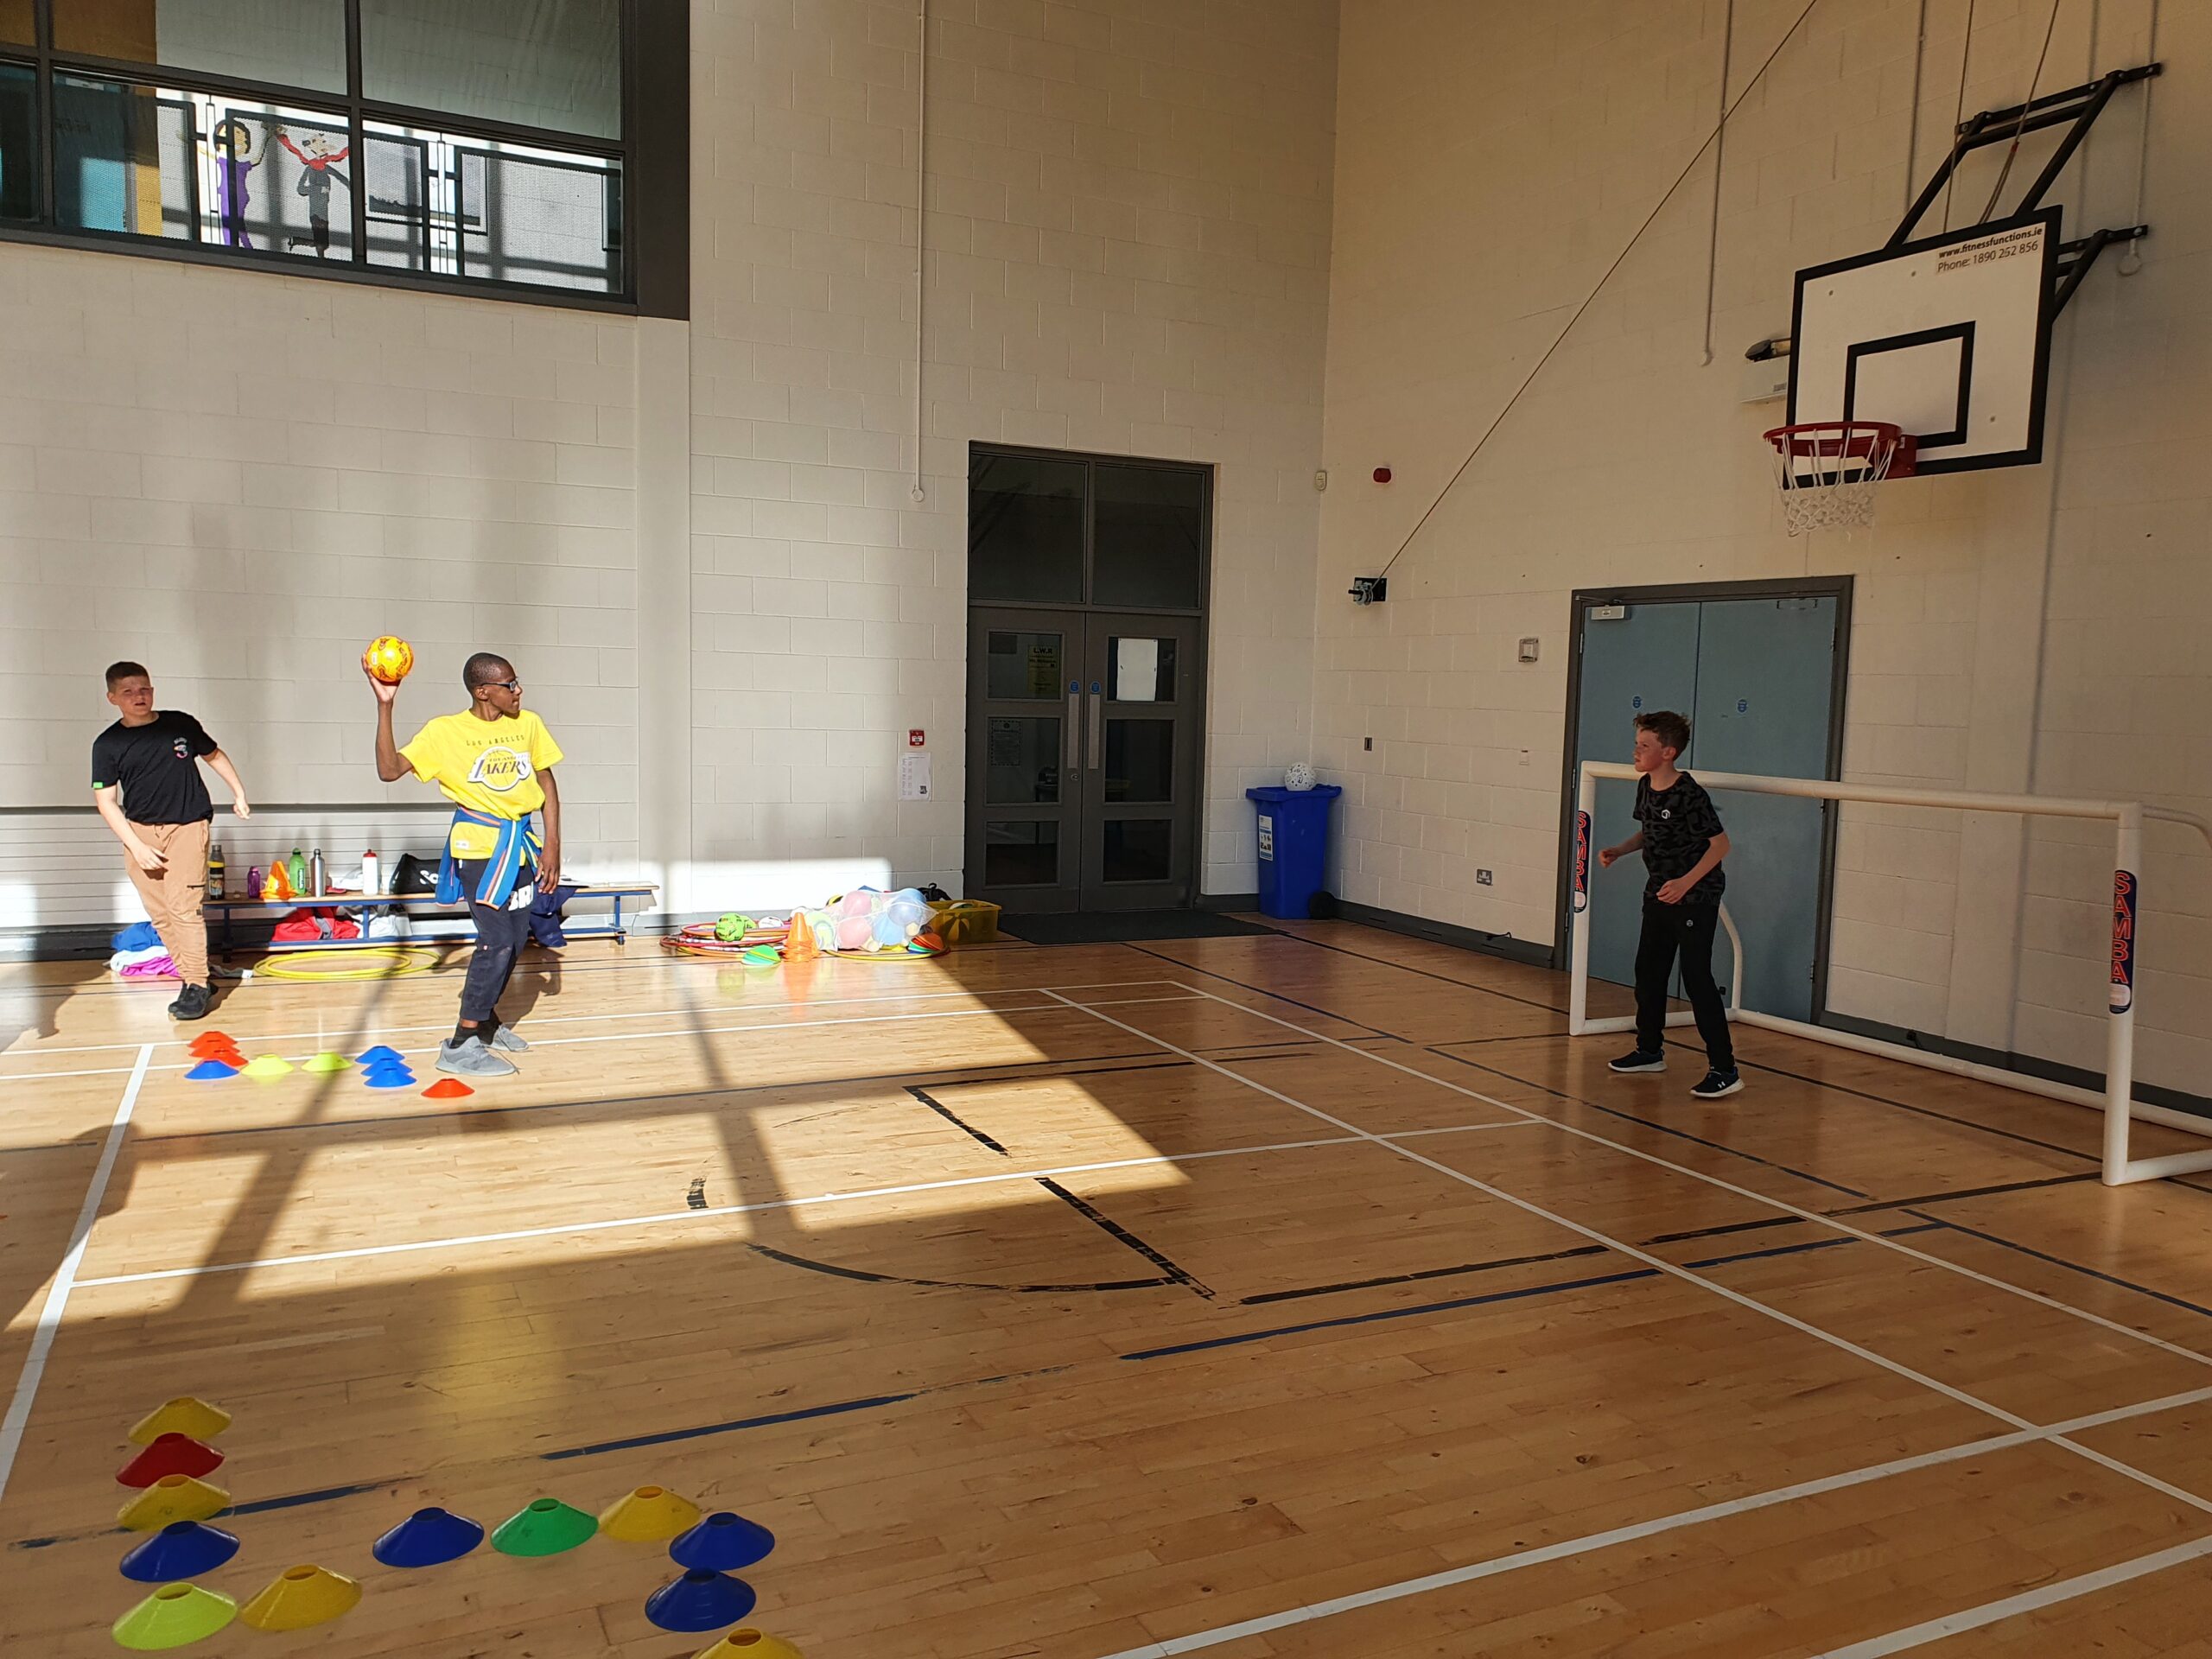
{"points": [[369, 962]]}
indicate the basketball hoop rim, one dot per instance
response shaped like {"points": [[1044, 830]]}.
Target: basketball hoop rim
{"points": [[1835, 441]]}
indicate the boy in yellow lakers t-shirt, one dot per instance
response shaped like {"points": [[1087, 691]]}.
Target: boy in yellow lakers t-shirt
{"points": [[494, 762]]}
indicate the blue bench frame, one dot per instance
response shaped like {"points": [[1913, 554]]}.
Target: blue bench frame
{"points": [[226, 909]]}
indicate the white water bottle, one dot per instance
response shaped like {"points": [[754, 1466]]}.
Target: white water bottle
{"points": [[371, 877]]}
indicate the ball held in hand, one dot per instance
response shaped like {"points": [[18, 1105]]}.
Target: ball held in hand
{"points": [[388, 659]]}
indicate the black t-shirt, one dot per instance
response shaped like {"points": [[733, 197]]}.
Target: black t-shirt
{"points": [[158, 766], [1679, 824]]}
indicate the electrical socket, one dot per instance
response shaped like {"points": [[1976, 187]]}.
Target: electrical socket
{"points": [[1481, 878], [1368, 743]]}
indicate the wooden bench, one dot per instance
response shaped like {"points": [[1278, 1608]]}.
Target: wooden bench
{"points": [[225, 911]]}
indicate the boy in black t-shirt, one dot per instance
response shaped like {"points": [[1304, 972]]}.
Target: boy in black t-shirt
{"points": [[153, 757], [1680, 835]]}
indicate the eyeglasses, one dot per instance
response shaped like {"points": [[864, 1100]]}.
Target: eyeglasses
{"points": [[505, 686]]}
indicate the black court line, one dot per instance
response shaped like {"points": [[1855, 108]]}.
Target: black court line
{"points": [[1906, 1105], [1814, 1244], [956, 1119], [2076, 1267], [1426, 973], [1226, 979], [1115, 1229], [1648, 1123], [863, 1276], [1425, 1273], [2000, 1188]]}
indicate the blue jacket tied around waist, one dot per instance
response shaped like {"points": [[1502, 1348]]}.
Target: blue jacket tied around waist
{"points": [[517, 849]]}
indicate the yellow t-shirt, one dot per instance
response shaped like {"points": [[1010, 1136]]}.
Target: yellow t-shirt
{"points": [[487, 765]]}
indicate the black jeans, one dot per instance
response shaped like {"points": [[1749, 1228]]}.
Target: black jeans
{"points": [[1685, 931], [500, 934]]}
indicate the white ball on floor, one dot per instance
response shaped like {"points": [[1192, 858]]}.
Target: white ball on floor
{"points": [[1298, 775]]}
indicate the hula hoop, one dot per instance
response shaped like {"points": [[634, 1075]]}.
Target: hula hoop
{"points": [[348, 964], [698, 940]]}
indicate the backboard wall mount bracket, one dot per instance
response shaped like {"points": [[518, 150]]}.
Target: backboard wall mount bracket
{"points": [[2076, 107], [2074, 259]]}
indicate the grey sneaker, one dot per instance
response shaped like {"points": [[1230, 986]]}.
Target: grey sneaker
{"points": [[508, 1038], [471, 1059]]}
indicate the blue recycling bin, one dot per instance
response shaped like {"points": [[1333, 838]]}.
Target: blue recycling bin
{"points": [[1293, 846]]}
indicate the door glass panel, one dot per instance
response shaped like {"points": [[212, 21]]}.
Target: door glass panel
{"points": [[1140, 670], [1140, 760], [1024, 530], [1137, 848], [1022, 762], [1149, 533], [16, 22], [1020, 855], [1022, 666]]}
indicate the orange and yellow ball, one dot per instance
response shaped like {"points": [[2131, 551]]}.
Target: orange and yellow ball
{"points": [[388, 659]]}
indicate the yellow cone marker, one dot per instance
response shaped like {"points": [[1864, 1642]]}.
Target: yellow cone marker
{"points": [[301, 1596], [652, 1515], [267, 1065], [183, 1415], [328, 1061], [172, 1497], [749, 1644], [173, 1616]]}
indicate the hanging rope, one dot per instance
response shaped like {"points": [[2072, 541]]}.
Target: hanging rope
{"points": [[2012, 149], [2133, 262], [1550, 350], [1959, 115], [1719, 157]]}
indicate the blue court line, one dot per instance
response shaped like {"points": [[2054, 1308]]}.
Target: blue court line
{"points": [[669, 1436], [1927, 1224]]}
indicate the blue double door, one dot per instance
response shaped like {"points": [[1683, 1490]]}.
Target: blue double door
{"points": [[1757, 678]]}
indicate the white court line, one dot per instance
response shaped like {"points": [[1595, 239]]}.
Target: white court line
{"points": [[2028, 1601], [565, 1229], [1636, 1531], [1783, 1205], [65, 1277], [586, 1018], [1299, 1616], [684, 1031]]}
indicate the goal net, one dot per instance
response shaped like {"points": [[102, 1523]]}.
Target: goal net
{"points": [[2057, 946]]}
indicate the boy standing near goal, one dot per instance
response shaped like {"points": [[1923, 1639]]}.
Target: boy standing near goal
{"points": [[1679, 833]]}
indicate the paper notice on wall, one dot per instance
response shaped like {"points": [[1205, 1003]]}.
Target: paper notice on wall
{"points": [[913, 776]]}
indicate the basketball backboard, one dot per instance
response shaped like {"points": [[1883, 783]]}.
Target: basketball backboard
{"points": [[1948, 337]]}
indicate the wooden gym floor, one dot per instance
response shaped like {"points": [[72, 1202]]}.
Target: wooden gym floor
{"points": [[1308, 1293]]}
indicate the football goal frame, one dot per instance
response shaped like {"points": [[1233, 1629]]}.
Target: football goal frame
{"points": [[2117, 1101]]}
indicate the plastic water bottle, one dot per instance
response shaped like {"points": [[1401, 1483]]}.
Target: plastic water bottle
{"points": [[296, 868], [371, 877], [214, 872]]}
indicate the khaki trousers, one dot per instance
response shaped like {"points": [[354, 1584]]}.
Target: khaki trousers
{"points": [[172, 895]]}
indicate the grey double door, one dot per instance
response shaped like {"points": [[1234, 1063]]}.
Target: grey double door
{"points": [[1757, 678], [1083, 740]]}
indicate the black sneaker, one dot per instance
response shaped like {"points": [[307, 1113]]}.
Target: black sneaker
{"points": [[1642, 1059], [192, 1003], [1719, 1084]]}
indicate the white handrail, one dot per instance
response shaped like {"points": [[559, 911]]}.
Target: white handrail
{"points": [[2117, 1100]]}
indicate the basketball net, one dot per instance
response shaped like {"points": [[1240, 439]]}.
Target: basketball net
{"points": [[1828, 471]]}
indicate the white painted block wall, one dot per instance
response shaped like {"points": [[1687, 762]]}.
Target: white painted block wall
{"points": [[2027, 630], [240, 477]]}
